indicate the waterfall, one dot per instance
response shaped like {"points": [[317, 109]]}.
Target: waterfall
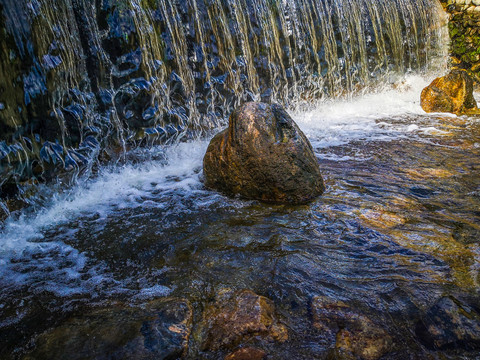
{"points": [[84, 79]]}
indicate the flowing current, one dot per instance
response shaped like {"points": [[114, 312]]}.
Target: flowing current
{"points": [[396, 229], [86, 80]]}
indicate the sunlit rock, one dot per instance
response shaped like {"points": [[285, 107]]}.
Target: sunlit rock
{"points": [[237, 317], [158, 330], [355, 335], [425, 173], [451, 93], [382, 219], [247, 353], [263, 155], [434, 99]]}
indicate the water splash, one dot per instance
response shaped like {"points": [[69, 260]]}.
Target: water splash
{"points": [[82, 77]]}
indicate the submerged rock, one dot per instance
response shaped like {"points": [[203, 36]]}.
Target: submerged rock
{"points": [[263, 155], [450, 324], [237, 317], [452, 93], [248, 353], [355, 335], [159, 330]]}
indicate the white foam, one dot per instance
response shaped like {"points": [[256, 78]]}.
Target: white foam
{"points": [[26, 257], [120, 187], [365, 117]]}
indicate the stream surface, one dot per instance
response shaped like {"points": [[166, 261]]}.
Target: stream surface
{"points": [[397, 228]]}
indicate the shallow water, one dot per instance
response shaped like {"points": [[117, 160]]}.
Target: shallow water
{"points": [[397, 228]]}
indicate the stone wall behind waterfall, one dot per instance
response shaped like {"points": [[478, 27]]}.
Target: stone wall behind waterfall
{"points": [[80, 77], [464, 30]]}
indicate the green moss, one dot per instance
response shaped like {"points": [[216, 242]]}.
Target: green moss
{"points": [[458, 46], [473, 57], [454, 29], [149, 4]]}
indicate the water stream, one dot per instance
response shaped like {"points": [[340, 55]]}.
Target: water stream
{"points": [[397, 228]]}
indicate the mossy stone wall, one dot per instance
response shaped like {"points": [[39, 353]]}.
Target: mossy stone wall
{"points": [[464, 29]]}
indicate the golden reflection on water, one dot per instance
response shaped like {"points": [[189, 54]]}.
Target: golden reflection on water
{"points": [[408, 221]]}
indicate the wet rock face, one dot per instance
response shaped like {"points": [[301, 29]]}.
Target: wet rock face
{"points": [[263, 155], [451, 93], [435, 100], [355, 335], [159, 330], [450, 324], [237, 317]]}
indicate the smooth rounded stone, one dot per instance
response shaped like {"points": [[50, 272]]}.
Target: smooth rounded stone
{"points": [[237, 317], [476, 2], [450, 93], [158, 330], [263, 155], [247, 353], [355, 335], [450, 324]]}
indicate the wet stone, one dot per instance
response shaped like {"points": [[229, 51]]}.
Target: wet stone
{"points": [[354, 334], [248, 353], [451, 93], [158, 330], [450, 324], [436, 100], [263, 155], [237, 317]]}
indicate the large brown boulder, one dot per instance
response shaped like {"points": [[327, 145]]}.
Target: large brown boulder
{"points": [[263, 155], [451, 93]]}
